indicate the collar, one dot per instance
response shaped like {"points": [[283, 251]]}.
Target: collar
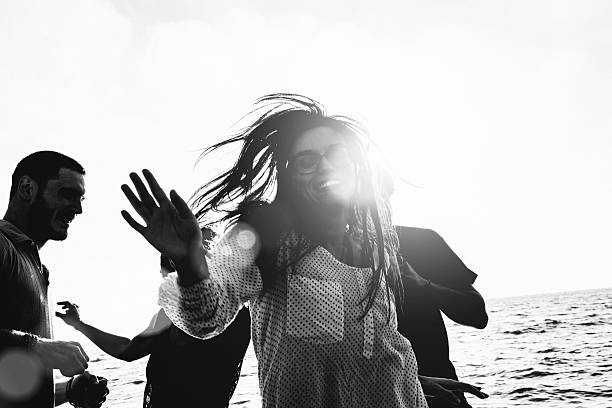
{"points": [[14, 234]]}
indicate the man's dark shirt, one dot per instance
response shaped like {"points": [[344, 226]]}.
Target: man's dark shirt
{"points": [[184, 371], [23, 305], [419, 318]]}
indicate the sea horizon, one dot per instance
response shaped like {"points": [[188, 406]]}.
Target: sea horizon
{"points": [[554, 292]]}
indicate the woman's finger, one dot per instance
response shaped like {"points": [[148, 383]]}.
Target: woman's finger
{"points": [[128, 218], [181, 206], [157, 191], [142, 191], [135, 202]]}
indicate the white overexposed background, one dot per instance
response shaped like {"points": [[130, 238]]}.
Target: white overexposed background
{"points": [[495, 116]]}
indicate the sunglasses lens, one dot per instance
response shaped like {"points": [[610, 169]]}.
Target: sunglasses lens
{"points": [[307, 163], [338, 156]]}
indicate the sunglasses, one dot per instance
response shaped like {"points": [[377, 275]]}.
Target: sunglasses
{"points": [[308, 162]]}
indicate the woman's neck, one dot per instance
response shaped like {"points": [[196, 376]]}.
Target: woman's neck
{"points": [[328, 231]]}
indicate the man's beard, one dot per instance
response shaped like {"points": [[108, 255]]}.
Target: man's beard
{"points": [[39, 221]]}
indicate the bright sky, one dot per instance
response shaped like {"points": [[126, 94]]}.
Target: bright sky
{"points": [[495, 114]]}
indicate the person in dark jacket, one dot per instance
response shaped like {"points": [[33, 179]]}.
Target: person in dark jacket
{"points": [[435, 281]]}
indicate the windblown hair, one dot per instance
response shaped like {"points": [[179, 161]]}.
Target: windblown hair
{"points": [[256, 190]]}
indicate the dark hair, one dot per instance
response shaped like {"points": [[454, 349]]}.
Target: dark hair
{"points": [[244, 191], [41, 167]]}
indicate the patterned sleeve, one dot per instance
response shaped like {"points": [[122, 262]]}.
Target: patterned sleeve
{"points": [[205, 309]]}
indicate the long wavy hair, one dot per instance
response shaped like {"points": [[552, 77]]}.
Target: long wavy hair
{"points": [[257, 190]]}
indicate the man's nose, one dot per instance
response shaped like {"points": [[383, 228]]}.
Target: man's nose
{"points": [[78, 206]]}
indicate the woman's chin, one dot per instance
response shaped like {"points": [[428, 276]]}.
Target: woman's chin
{"points": [[325, 209]]}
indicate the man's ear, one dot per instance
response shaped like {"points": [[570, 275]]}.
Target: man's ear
{"points": [[27, 189]]}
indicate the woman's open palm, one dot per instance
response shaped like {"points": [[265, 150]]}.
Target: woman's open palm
{"points": [[170, 226]]}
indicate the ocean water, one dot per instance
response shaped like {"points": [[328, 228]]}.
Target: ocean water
{"points": [[552, 350]]}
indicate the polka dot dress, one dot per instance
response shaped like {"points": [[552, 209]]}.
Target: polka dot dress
{"points": [[312, 348]]}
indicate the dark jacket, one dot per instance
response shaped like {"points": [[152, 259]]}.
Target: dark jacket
{"points": [[419, 318]]}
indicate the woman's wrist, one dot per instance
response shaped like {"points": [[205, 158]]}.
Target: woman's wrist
{"points": [[193, 268]]}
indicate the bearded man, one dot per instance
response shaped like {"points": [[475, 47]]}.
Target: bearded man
{"points": [[46, 195]]}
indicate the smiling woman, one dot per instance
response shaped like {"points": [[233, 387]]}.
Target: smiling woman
{"points": [[322, 168], [324, 323]]}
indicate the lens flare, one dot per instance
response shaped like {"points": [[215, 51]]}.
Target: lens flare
{"points": [[246, 239], [20, 375]]}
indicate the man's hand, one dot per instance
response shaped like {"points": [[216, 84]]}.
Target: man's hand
{"points": [[87, 391], [71, 314], [449, 392], [171, 227], [67, 356]]}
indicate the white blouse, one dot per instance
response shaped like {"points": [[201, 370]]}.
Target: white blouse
{"points": [[313, 350]]}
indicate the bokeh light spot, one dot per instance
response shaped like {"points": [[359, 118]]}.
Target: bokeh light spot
{"points": [[246, 239], [20, 374]]}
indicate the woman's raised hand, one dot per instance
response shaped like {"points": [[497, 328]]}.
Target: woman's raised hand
{"points": [[170, 226]]}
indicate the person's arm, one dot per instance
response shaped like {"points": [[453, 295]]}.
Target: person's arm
{"points": [[213, 303], [116, 346], [67, 356], [450, 391], [9, 338], [170, 227], [60, 393], [193, 299], [464, 306], [435, 272], [13, 338]]}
